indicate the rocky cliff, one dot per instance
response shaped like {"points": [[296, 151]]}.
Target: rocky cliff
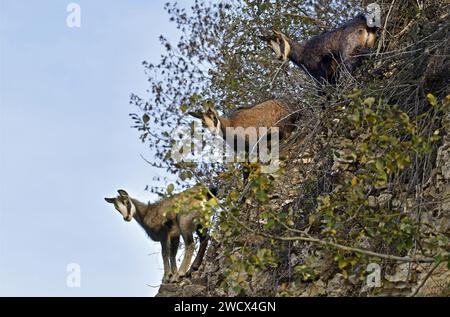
{"points": [[364, 182]]}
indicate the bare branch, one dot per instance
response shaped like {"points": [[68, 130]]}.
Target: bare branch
{"points": [[416, 291]]}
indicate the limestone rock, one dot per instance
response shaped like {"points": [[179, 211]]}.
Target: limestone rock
{"points": [[194, 290]]}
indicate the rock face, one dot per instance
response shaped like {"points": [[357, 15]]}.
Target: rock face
{"points": [[407, 279], [403, 279], [438, 189], [194, 287], [396, 279]]}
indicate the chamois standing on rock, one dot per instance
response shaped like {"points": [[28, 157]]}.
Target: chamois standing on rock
{"points": [[321, 55], [162, 223]]}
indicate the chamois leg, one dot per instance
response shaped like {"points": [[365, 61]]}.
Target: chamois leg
{"points": [[189, 251], [165, 249], [204, 238], [174, 243], [350, 62], [346, 53]]}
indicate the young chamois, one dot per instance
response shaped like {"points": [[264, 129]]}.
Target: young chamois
{"points": [[246, 125], [320, 56], [268, 114], [162, 223]]}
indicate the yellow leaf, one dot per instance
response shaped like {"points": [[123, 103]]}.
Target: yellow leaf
{"points": [[369, 101], [432, 100]]}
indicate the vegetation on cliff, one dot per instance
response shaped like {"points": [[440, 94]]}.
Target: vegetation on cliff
{"points": [[364, 179]]}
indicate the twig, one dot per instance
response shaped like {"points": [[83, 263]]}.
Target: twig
{"points": [[435, 266], [405, 29], [153, 286], [276, 73], [317, 22], [383, 34]]}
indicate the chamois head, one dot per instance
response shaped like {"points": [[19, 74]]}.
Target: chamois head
{"points": [[279, 43], [210, 119], [123, 204]]}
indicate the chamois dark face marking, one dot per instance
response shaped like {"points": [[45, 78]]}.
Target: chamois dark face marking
{"points": [[210, 120], [123, 204], [320, 56], [279, 44]]}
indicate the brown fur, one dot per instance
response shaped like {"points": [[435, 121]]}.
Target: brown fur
{"points": [[320, 55], [268, 114], [162, 223]]}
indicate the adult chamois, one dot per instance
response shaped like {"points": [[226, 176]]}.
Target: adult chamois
{"points": [[321, 55], [165, 221]]}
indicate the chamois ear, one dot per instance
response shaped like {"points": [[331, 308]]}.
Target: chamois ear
{"points": [[110, 200], [122, 193], [270, 35], [211, 110], [197, 115], [277, 33]]}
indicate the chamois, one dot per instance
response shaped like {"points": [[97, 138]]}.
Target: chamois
{"points": [[162, 223], [245, 124], [268, 114], [320, 56]]}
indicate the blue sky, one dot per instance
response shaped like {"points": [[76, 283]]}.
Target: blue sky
{"points": [[66, 142]]}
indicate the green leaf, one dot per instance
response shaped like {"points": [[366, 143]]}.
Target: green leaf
{"points": [[311, 219], [194, 98], [185, 175], [170, 189], [355, 116], [379, 164], [342, 263], [145, 118]]}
